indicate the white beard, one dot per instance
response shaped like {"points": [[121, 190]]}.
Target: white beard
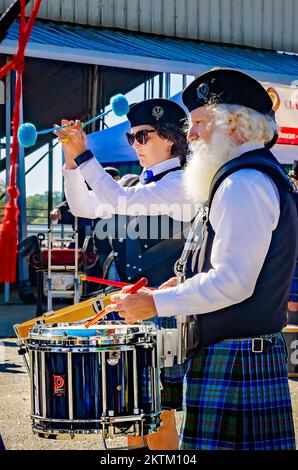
{"points": [[205, 160]]}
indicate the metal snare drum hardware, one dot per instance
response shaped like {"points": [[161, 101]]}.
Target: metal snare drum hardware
{"points": [[102, 380]]}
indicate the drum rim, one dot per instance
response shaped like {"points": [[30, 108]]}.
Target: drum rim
{"points": [[57, 334], [97, 327]]}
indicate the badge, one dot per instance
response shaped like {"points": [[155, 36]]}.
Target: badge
{"points": [[158, 112], [203, 91]]}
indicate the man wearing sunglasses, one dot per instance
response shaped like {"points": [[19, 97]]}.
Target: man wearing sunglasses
{"points": [[151, 216], [236, 386]]}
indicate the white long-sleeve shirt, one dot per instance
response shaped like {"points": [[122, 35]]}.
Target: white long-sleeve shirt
{"points": [[244, 213], [165, 197]]}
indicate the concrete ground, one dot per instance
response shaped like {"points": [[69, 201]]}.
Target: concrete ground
{"points": [[15, 423]]}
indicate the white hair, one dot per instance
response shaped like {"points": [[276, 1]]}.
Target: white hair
{"points": [[233, 125], [244, 123]]}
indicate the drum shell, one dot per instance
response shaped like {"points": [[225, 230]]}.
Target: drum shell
{"points": [[79, 389]]}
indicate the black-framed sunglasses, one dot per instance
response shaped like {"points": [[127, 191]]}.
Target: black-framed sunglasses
{"points": [[141, 137]]}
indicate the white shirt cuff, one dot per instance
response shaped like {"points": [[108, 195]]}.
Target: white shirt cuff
{"points": [[164, 300]]}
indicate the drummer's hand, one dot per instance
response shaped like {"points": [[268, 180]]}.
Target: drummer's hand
{"points": [[75, 144], [172, 282], [134, 307], [126, 289], [55, 214]]}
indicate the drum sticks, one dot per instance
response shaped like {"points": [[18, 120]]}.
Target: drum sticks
{"points": [[108, 282], [133, 289]]}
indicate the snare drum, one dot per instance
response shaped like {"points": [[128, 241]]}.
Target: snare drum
{"points": [[104, 379]]}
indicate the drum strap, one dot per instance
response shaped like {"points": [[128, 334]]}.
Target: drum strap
{"points": [[192, 244]]}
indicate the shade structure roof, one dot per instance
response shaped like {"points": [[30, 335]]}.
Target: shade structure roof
{"points": [[148, 52]]}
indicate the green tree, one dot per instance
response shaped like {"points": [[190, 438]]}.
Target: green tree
{"points": [[37, 207]]}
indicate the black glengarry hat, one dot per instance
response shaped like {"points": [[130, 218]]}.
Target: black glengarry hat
{"points": [[227, 86], [156, 111]]}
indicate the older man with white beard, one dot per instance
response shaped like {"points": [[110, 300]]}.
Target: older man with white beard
{"points": [[236, 388]]}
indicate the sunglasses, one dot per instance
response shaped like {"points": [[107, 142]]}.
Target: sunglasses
{"points": [[141, 137]]}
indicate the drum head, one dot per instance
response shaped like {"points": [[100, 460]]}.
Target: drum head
{"points": [[103, 333]]}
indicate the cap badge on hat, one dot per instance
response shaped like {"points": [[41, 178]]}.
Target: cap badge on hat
{"points": [[203, 91], [158, 112]]}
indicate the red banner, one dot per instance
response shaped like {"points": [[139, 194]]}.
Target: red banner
{"points": [[285, 104]]}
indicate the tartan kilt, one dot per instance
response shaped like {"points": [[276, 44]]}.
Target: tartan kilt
{"points": [[237, 399], [171, 377], [294, 286]]}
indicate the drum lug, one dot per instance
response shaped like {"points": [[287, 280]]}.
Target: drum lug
{"points": [[114, 357], [167, 346]]}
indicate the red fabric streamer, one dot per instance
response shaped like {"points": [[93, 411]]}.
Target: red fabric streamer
{"points": [[9, 228]]}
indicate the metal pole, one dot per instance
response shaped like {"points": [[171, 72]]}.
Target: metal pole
{"points": [[94, 96], [22, 264], [161, 85], [7, 133], [101, 98], [50, 225], [184, 81], [25, 290], [168, 85], [50, 182]]}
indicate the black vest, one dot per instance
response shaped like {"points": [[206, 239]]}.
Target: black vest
{"points": [[265, 311], [152, 254]]}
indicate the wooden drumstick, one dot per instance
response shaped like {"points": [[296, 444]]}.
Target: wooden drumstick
{"points": [[108, 282], [132, 290]]}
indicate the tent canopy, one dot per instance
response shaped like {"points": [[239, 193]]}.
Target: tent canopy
{"points": [[110, 145]]}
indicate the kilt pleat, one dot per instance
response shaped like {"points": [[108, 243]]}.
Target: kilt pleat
{"points": [[294, 286], [237, 399]]}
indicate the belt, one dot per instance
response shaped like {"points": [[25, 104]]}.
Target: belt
{"points": [[260, 343]]}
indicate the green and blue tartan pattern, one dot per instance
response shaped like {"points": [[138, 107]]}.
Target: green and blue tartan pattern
{"points": [[237, 399], [294, 286]]}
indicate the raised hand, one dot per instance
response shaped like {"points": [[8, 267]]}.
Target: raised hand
{"points": [[74, 141]]}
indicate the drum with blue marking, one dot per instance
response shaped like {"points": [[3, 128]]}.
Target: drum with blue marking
{"points": [[104, 379]]}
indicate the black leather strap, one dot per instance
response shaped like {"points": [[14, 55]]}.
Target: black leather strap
{"points": [[83, 157]]}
